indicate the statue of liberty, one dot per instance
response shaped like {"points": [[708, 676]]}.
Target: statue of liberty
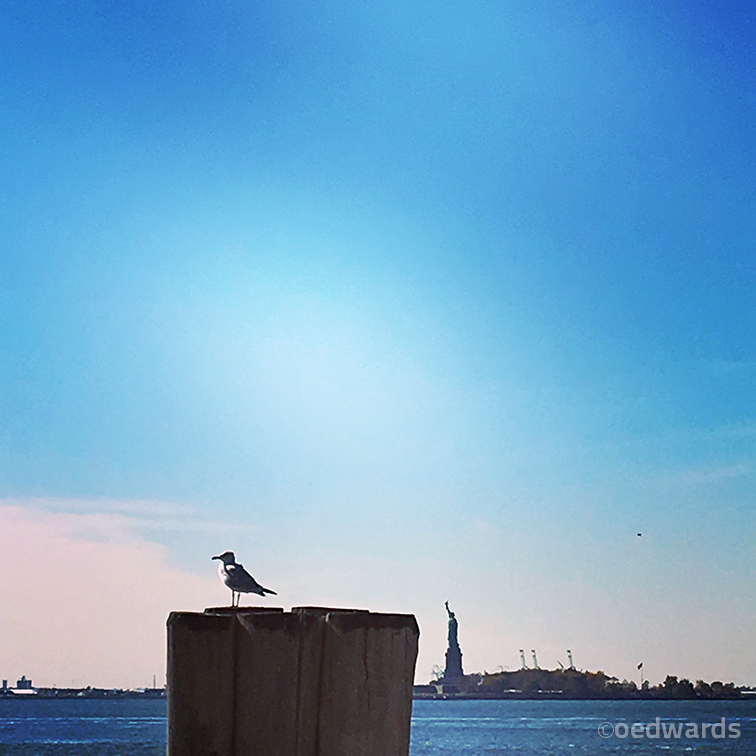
{"points": [[453, 652], [453, 625]]}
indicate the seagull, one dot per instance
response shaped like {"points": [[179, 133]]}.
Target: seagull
{"points": [[237, 578]]}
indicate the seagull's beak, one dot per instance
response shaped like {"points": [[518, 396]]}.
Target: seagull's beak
{"points": [[215, 558]]}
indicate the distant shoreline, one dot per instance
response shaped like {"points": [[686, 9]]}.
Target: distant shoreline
{"points": [[68, 694], [558, 696], [110, 694]]}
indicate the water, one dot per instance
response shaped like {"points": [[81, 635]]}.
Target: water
{"points": [[439, 728], [570, 728], [85, 727]]}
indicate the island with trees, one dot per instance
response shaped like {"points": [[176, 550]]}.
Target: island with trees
{"points": [[574, 684]]}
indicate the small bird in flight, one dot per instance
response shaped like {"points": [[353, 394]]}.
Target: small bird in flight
{"points": [[237, 578]]}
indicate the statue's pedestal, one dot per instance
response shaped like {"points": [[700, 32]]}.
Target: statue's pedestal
{"points": [[453, 669]]}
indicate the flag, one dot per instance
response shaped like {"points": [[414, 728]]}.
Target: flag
{"points": [[640, 666]]}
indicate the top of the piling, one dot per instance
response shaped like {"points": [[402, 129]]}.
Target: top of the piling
{"points": [[342, 619], [242, 609]]}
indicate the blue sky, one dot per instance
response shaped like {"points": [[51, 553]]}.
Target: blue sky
{"points": [[404, 303]]}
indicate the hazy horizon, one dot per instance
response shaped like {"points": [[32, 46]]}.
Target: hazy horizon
{"points": [[402, 304]]}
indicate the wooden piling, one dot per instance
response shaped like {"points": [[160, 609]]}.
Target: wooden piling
{"points": [[310, 682]]}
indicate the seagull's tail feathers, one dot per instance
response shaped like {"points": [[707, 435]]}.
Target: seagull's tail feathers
{"points": [[267, 590]]}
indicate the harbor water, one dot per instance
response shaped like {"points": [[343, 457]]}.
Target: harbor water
{"points": [[134, 727]]}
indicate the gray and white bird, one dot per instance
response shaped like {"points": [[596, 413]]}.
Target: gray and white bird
{"points": [[237, 578]]}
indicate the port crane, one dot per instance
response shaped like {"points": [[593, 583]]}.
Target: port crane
{"points": [[569, 658], [535, 661], [522, 659]]}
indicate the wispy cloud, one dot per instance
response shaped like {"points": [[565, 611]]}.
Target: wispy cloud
{"points": [[106, 593], [705, 475], [725, 367], [124, 517]]}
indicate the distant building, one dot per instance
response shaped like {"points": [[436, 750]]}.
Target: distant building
{"points": [[23, 683]]}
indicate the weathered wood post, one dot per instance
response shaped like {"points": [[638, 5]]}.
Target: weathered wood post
{"points": [[311, 682]]}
